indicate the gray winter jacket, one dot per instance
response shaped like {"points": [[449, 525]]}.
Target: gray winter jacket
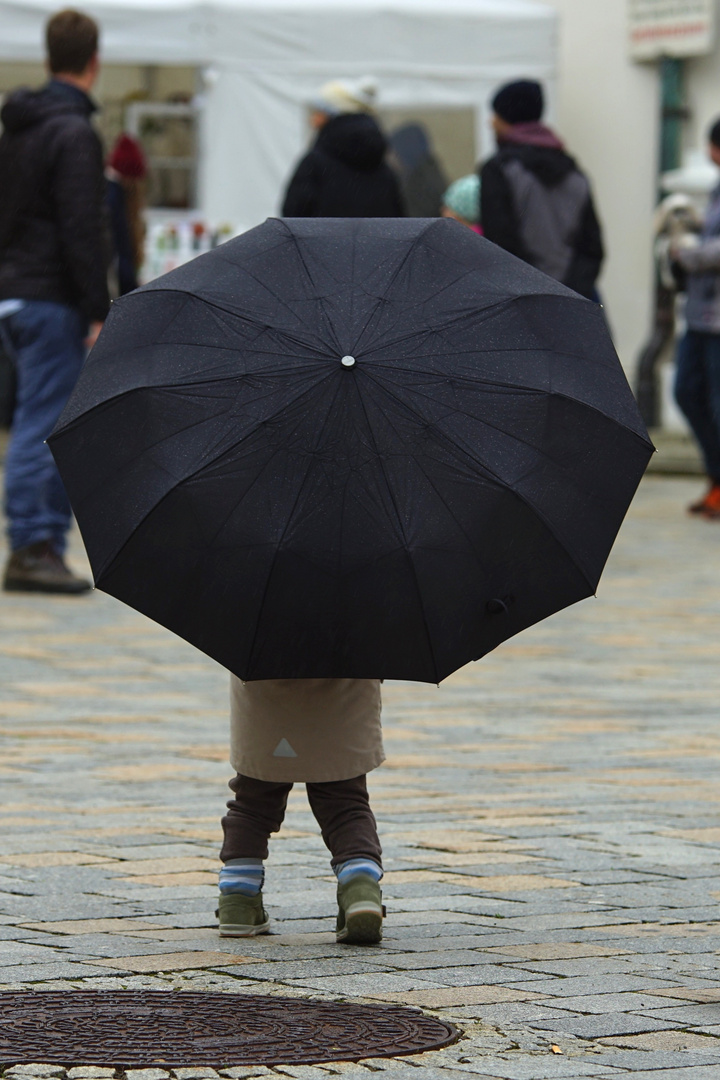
{"points": [[536, 204], [702, 263]]}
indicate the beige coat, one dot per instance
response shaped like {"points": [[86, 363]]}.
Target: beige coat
{"points": [[306, 730]]}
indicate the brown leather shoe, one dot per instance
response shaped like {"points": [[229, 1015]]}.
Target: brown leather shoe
{"points": [[39, 568]]}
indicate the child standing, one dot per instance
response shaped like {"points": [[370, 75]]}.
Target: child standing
{"points": [[327, 734]]}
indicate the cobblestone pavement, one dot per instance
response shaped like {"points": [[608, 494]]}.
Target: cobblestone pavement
{"points": [[550, 818]]}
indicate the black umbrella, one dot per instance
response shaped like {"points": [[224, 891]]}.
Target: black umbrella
{"points": [[335, 448]]}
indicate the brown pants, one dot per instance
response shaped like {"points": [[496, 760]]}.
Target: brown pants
{"points": [[341, 809]]}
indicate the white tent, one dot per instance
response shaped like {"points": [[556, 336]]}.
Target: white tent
{"points": [[264, 59]]}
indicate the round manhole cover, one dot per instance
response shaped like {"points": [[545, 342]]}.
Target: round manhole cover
{"points": [[156, 1027]]}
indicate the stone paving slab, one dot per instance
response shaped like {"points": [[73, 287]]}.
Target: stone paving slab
{"points": [[549, 818], [600, 1025], [645, 1060], [688, 1072]]}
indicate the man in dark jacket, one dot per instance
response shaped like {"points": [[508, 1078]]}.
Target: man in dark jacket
{"points": [[345, 173], [534, 201], [53, 287]]}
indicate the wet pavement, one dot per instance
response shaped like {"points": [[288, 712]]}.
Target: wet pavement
{"points": [[549, 816]]}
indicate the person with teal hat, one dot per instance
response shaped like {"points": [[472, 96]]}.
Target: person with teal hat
{"points": [[461, 201]]}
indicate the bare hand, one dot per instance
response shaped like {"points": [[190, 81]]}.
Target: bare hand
{"points": [[93, 332]]}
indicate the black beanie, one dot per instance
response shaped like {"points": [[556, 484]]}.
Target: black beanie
{"points": [[519, 102], [714, 134]]}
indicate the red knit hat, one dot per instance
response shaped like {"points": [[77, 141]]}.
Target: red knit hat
{"points": [[127, 158]]}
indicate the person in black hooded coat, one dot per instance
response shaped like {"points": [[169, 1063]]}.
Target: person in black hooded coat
{"points": [[345, 173], [53, 226]]}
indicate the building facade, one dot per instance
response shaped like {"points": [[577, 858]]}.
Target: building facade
{"points": [[608, 108]]}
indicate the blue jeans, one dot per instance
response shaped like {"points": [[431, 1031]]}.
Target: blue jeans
{"points": [[47, 343], [697, 392]]}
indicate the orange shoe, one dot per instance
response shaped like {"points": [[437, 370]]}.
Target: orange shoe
{"points": [[709, 505]]}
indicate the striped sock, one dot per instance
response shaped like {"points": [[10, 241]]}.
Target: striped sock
{"points": [[349, 869], [244, 876]]}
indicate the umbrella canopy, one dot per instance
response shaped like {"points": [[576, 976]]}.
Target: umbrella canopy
{"points": [[351, 448]]}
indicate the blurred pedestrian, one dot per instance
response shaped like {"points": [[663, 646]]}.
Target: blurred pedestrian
{"points": [[345, 173], [461, 201], [125, 174], [697, 384], [53, 287], [421, 176], [327, 734], [534, 201]]}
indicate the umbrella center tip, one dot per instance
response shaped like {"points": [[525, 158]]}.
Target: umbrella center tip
{"points": [[348, 361]]}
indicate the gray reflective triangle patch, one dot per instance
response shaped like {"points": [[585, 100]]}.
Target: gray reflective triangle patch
{"points": [[284, 749]]}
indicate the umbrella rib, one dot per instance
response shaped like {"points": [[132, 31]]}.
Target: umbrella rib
{"points": [[219, 312], [280, 409], [254, 322], [353, 298], [310, 343], [491, 309], [390, 283], [150, 446], [255, 481], [483, 316], [490, 312], [306, 268], [531, 391], [471, 416], [287, 526], [197, 472], [120, 353], [451, 352], [233, 508], [469, 380], [280, 300], [381, 343], [503, 483], [402, 531], [194, 423], [499, 350], [169, 388], [437, 491], [227, 413]]}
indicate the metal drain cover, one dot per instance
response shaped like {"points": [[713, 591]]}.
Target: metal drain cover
{"points": [[155, 1027]]}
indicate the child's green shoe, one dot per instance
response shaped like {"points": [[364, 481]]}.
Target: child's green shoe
{"points": [[242, 916], [360, 911]]}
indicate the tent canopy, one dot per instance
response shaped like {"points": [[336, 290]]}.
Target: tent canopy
{"points": [[266, 58], [459, 33]]}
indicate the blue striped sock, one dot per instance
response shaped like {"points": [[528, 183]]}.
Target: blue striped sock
{"points": [[244, 876], [349, 869]]}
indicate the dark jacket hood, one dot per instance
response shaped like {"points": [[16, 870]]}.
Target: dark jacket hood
{"points": [[548, 164], [25, 108], [355, 139], [540, 151]]}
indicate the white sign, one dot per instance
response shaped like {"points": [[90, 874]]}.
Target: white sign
{"points": [[670, 28]]}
